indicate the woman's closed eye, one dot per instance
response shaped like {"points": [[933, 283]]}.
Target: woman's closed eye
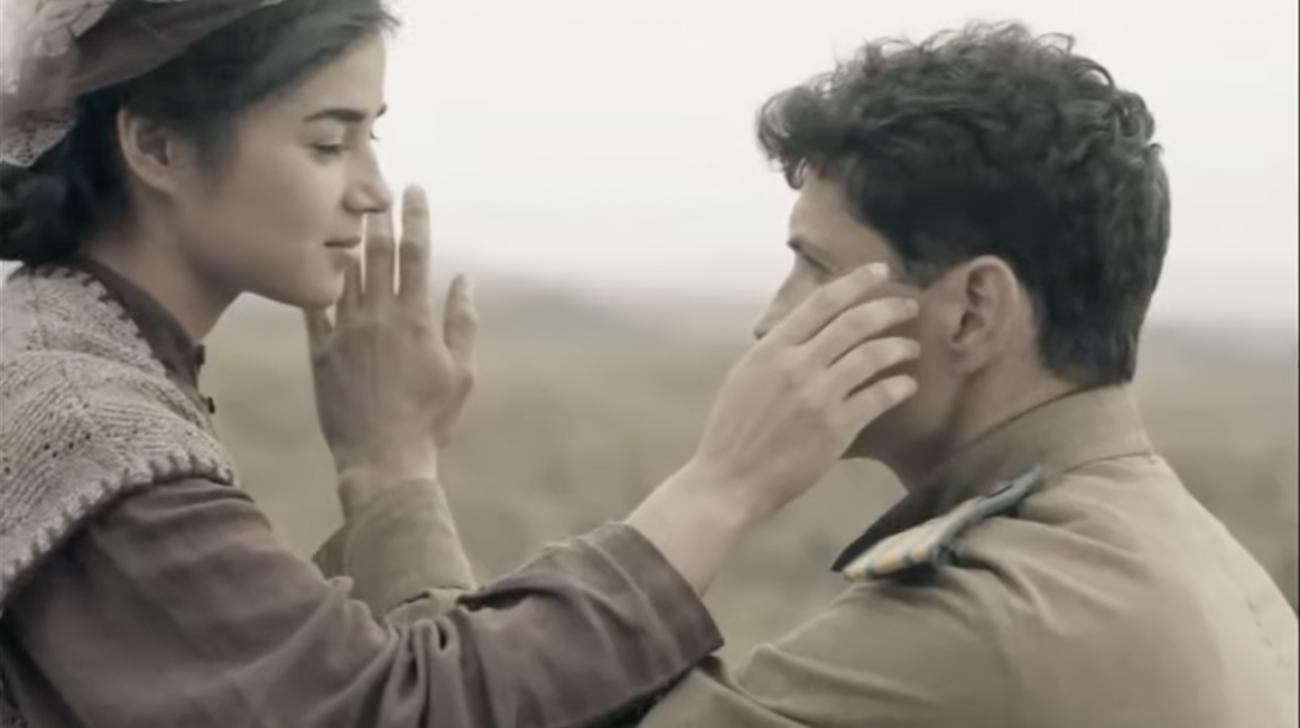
{"points": [[330, 148], [337, 148]]}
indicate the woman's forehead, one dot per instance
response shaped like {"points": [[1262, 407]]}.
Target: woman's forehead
{"points": [[351, 84]]}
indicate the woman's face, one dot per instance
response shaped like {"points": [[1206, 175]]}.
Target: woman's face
{"points": [[283, 217]]}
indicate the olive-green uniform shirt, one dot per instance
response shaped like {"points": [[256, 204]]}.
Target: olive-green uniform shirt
{"points": [[1101, 594]]}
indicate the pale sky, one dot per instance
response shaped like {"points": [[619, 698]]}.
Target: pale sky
{"points": [[610, 144]]}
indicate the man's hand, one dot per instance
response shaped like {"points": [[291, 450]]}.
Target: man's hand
{"points": [[391, 376]]}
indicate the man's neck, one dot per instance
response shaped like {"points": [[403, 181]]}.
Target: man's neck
{"points": [[1050, 434], [984, 413]]}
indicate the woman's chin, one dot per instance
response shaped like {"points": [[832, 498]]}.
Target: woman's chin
{"points": [[316, 293], [323, 296]]}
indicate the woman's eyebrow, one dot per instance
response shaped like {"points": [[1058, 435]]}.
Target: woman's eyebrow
{"points": [[344, 115]]}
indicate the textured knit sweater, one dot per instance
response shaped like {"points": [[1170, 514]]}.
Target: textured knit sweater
{"points": [[103, 375], [87, 416]]}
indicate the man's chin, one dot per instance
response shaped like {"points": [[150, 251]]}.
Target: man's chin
{"points": [[863, 447], [891, 439], [882, 441]]}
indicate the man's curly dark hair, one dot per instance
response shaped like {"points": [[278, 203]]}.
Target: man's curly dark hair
{"points": [[993, 141]]}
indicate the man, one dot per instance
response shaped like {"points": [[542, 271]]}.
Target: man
{"points": [[1046, 567]]}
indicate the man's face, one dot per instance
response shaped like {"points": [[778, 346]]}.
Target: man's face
{"points": [[828, 242]]}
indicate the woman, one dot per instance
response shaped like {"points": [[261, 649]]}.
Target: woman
{"points": [[161, 158]]}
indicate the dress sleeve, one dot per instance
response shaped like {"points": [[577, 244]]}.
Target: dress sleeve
{"points": [[178, 606], [402, 553]]}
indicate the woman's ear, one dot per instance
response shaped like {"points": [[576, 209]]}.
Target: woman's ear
{"points": [[153, 154]]}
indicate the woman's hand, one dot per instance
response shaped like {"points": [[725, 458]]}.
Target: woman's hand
{"points": [[391, 375], [786, 414], [792, 405]]}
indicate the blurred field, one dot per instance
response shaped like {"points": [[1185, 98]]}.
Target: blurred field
{"points": [[582, 408]]}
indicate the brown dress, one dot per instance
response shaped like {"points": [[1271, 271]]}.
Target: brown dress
{"points": [[177, 606]]}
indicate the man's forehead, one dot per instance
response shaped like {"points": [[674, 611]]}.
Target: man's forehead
{"points": [[821, 225], [819, 195], [820, 219]]}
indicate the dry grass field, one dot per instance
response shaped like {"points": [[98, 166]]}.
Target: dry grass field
{"points": [[583, 407]]}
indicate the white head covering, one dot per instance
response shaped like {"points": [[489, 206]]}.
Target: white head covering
{"points": [[52, 52]]}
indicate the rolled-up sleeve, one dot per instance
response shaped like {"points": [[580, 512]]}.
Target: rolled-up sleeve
{"points": [[178, 606]]}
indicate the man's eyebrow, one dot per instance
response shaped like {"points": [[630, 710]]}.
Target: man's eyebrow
{"points": [[344, 115]]}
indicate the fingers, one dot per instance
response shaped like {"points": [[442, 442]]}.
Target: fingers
{"points": [[460, 322], [374, 288], [381, 261], [875, 400], [868, 361], [858, 324], [350, 302], [414, 248], [828, 302], [318, 326]]}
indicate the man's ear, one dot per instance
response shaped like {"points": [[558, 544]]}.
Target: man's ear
{"points": [[152, 153], [985, 304]]}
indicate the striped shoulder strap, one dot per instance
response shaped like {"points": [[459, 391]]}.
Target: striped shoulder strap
{"points": [[931, 543]]}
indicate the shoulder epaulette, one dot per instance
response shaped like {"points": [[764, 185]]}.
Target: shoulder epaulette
{"points": [[931, 543]]}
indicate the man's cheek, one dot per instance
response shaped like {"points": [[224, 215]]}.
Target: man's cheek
{"points": [[920, 330], [911, 328]]}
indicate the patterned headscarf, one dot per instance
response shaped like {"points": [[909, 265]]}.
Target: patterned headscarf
{"points": [[53, 52]]}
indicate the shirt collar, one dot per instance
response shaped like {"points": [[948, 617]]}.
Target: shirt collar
{"points": [[1058, 436], [180, 356]]}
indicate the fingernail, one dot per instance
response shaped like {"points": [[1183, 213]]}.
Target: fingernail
{"points": [[879, 271], [413, 195]]}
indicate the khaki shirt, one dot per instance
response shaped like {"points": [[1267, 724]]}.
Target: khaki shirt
{"points": [[177, 607], [1111, 599]]}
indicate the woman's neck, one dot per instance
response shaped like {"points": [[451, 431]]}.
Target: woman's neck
{"points": [[154, 265]]}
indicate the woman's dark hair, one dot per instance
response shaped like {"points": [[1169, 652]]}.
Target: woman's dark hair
{"points": [[993, 141], [47, 210]]}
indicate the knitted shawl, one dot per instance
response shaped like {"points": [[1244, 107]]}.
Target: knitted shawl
{"points": [[88, 416]]}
